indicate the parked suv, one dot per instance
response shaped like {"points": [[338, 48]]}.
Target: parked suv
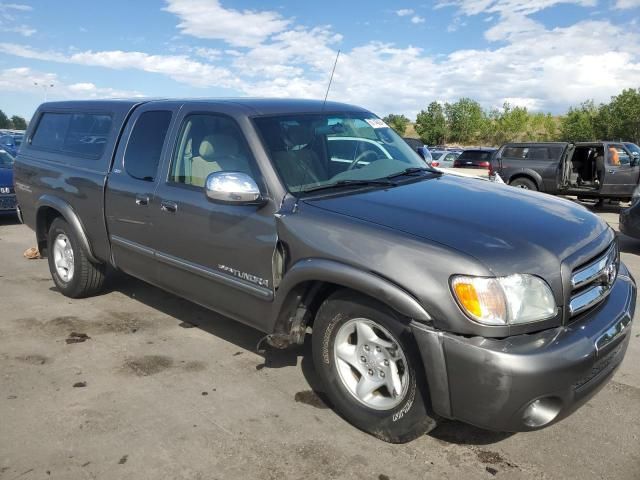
{"points": [[416, 312], [474, 158], [586, 169]]}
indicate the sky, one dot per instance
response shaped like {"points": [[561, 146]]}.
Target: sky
{"points": [[395, 56]]}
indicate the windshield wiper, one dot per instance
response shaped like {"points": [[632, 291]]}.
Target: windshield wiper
{"points": [[385, 182], [413, 171]]}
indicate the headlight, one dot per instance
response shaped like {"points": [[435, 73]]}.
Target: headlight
{"points": [[504, 300]]}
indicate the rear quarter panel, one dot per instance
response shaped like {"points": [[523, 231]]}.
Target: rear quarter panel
{"points": [[78, 181]]}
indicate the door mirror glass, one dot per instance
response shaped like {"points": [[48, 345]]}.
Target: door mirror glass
{"points": [[232, 187]]}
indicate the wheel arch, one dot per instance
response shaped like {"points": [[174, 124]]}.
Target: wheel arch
{"points": [[309, 282], [529, 175], [48, 209]]}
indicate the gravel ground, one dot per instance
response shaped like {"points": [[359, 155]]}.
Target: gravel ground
{"points": [[139, 384]]}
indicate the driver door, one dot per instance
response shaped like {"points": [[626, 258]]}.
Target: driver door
{"points": [[215, 254], [621, 177]]}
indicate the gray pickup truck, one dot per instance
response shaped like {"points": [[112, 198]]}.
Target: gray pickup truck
{"points": [[303, 218]]}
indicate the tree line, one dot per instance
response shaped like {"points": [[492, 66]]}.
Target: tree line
{"points": [[466, 122], [15, 122]]}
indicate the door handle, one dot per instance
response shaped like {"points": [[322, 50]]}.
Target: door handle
{"points": [[142, 200], [168, 206]]}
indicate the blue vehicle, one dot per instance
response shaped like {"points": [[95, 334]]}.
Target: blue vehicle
{"points": [[420, 148], [7, 193], [10, 142]]}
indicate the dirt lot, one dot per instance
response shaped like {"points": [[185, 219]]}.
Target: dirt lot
{"points": [[146, 396]]}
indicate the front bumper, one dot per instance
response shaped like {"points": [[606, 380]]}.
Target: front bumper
{"points": [[492, 383]]}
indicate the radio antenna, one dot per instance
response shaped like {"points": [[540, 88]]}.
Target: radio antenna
{"points": [[331, 79]]}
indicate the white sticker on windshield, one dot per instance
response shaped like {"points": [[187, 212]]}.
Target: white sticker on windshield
{"points": [[376, 123]]}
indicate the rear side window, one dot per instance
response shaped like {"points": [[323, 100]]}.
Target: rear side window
{"points": [[144, 149], [515, 152], [540, 153], [82, 134]]}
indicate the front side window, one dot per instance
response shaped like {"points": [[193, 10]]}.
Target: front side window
{"points": [[144, 148], [314, 150], [618, 155], [209, 143]]}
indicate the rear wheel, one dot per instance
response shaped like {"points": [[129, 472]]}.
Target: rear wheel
{"points": [[370, 368], [524, 183], [72, 272]]}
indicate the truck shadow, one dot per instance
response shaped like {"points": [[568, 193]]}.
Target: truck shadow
{"points": [[189, 315], [9, 220]]}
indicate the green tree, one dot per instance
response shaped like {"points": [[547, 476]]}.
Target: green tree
{"points": [[431, 125], [398, 122], [466, 120], [579, 124], [4, 120], [18, 122], [512, 124], [623, 116]]}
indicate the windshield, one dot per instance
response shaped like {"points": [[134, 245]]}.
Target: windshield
{"points": [[314, 150], [6, 160]]}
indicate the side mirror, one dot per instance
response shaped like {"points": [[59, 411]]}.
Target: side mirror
{"points": [[233, 188], [635, 159]]}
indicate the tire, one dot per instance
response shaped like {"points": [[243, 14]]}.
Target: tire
{"points": [[524, 183], [394, 419], [83, 278]]}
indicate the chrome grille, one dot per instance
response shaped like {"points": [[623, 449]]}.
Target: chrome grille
{"points": [[591, 283]]}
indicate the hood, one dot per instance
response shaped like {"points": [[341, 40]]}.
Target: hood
{"points": [[509, 230], [6, 177]]}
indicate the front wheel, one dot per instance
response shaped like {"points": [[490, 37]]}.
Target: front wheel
{"points": [[370, 368], [72, 272]]}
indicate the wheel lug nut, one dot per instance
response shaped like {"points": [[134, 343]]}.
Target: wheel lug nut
{"points": [[381, 374], [363, 359], [386, 363], [366, 347], [378, 349], [370, 372]]}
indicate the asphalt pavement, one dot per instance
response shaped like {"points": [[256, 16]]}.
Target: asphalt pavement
{"points": [[139, 384]]}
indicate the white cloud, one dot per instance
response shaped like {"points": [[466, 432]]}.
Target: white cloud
{"points": [[626, 4], [210, 54], [417, 19], [241, 28], [532, 66], [513, 27], [15, 6], [523, 7], [23, 30], [24, 79], [404, 12], [178, 67]]}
